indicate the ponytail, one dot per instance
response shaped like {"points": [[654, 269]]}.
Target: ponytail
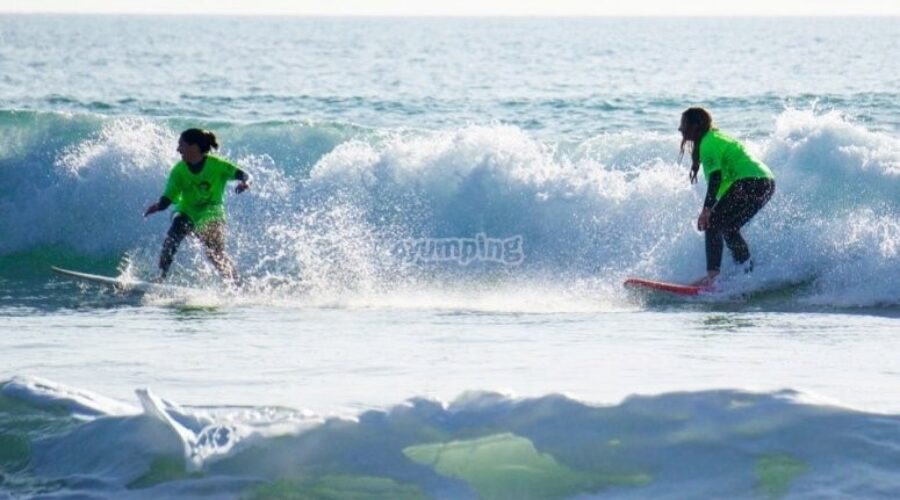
{"points": [[204, 139]]}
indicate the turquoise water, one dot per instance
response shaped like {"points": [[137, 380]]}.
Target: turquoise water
{"points": [[352, 363]]}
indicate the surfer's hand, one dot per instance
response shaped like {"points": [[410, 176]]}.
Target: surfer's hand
{"points": [[693, 176], [241, 187], [152, 209], [703, 220]]}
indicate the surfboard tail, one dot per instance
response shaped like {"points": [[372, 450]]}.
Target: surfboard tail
{"points": [[662, 286]]}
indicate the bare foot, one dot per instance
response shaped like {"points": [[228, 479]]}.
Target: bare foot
{"points": [[706, 281]]}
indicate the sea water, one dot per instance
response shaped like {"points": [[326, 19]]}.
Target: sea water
{"points": [[364, 357]]}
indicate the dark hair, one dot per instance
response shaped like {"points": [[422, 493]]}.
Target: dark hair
{"points": [[205, 139], [701, 119]]}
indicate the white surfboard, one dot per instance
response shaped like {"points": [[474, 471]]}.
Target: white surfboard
{"points": [[126, 285]]}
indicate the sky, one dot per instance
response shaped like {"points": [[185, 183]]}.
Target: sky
{"points": [[464, 7]]}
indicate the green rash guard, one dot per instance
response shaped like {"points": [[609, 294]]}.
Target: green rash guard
{"points": [[718, 152], [200, 196]]}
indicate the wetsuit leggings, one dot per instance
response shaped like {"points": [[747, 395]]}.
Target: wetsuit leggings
{"points": [[212, 235], [734, 210]]}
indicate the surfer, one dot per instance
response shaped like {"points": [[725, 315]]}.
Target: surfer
{"points": [[196, 186], [738, 186]]}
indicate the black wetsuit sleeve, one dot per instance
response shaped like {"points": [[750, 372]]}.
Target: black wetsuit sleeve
{"points": [[240, 175], [712, 187], [164, 203]]}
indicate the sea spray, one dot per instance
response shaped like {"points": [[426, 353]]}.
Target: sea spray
{"points": [[617, 204]]}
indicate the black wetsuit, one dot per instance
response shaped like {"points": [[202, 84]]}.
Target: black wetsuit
{"points": [[742, 201]]}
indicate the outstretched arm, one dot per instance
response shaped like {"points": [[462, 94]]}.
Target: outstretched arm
{"points": [[159, 206], [244, 179]]}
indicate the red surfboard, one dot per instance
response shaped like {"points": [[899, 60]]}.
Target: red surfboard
{"points": [[661, 286]]}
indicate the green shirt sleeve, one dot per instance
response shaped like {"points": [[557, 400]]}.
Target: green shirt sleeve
{"points": [[710, 155], [227, 168], [173, 186]]}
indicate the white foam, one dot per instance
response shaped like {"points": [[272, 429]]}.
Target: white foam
{"points": [[45, 393], [784, 442], [612, 206]]}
